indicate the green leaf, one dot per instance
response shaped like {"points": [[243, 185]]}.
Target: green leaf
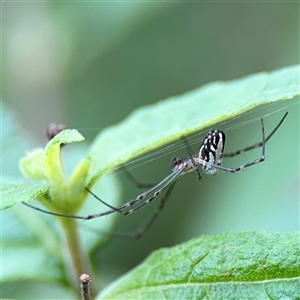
{"points": [[46, 164], [32, 166], [179, 116], [77, 182], [253, 265], [29, 245], [52, 160], [14, 192]]}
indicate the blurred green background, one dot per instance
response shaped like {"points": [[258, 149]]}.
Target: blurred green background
{"points": [[89, 65]]}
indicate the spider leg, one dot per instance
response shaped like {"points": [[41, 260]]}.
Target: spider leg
{"points": [[138, 184], [144, 227], [191, 157], [53, 213], [160, 186], [103, 202], [156, 189], [153, 197], [72, 216], [131, 178], [257, 145], [130, 203]]}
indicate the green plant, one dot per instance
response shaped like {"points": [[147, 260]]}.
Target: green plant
{"points": [[207, 266]]}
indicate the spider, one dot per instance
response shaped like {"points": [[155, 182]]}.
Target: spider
{"points": [[209, 157]]}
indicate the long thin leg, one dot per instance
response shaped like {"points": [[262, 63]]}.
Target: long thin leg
{"points": [[145, 227], [72, 216], [158, 189], [103, 202], [191, 157], [131, 178], [257, 145], [53, 213], [153, 197]]}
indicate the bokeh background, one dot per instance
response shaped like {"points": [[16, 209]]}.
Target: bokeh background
{"points": [[89, 64]]}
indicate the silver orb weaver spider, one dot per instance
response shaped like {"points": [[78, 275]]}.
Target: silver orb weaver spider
{"points": [[209, 157]]}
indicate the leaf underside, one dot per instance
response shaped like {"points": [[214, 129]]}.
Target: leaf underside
{"points": [[169, 120]]}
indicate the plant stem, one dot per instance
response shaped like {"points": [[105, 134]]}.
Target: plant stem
{"points": [[79, 260], [85, 280]]}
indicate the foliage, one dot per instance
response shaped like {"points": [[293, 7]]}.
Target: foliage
{"points": [[252, 265], [157, 127]]}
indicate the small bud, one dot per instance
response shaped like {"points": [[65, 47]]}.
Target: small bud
{"points": [[54, 129]]}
